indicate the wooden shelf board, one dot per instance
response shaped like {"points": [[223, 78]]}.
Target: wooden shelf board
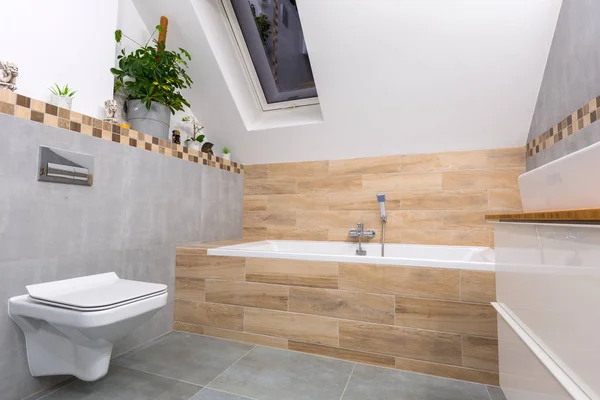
{"points": [[586, 215]]}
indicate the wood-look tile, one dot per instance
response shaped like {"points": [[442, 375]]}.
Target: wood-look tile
{"points": [[294, 202], [476, 159], [288, 233], [447, 371], [299, 327], [414, 219], [471, 219], [210, 314], [269, 218], [506, 158], [480, 353], [482, 179], [444, 200], [447, 316], [336, 219], [191, 263], [421, 163], [400, 280], [247, 294], [292, 272], [402, 342], [189, 288], [299, 169], [246, 337], [255, 203], [361, 201], [258, 171], [330, 184], [447, 237], [478, 286], [356, 306], [343, 354], [504, 199], [400, 182], [270, 186], [371, 165], [254, 233], [185, 327]]}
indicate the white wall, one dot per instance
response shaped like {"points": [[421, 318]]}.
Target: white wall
{"points": [[62, 41], [394, 77]]}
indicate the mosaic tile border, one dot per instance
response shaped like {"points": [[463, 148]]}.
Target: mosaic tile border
{"points": [[576, 121], [34, 110]]}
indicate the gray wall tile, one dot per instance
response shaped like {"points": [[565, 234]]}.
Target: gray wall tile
{"points": [[140, 207]]}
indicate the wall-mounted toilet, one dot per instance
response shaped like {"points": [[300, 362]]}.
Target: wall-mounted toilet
{"points": [[71, 325]]}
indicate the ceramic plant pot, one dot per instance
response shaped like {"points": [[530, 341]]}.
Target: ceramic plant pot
{"points": [[194, 145], [62, 101], [154, 122], [226, 156]]}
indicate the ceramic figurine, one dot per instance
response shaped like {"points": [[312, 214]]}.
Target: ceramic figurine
{"points": [[207, 148], [8, 76], [110, 107], [176, 136]]}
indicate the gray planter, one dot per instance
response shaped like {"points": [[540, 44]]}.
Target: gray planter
{"points": [[154, 122]]}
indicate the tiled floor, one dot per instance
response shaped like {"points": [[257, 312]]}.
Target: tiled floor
{"points": [[182, 366]]}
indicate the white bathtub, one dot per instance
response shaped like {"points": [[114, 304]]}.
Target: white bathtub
{"points": [[457, 257]]}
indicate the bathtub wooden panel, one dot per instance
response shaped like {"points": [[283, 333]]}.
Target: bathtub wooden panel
{"points": [[248, 294], [300, 327], [447, 316], [406, 281], [448, 371], [187, 264], [211, 314], [293, 272], [402, 342], [341, 304], [480, 353], [478, 286], [189, 288], [343, 354]]}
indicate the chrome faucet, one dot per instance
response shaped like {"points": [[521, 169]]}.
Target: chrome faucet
{"points": [[359, 232]]}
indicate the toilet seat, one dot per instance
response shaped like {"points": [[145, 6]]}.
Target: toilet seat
{"points": [[93, 293]]}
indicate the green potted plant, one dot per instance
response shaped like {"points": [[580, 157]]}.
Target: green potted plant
{"points": [[197, 138], [152, 78], [62, 96], [226, 153]]}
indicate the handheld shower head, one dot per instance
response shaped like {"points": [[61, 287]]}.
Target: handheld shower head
{"points": [[381, 201]]}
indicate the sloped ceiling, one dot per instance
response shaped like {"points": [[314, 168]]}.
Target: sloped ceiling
{"points": [[394, 76]]}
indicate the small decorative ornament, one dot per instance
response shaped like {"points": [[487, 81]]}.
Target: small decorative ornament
{"points": [[8, 76], [207, 148], [176, 137], [110, 107]]}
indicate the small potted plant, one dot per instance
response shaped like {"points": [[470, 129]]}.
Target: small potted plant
{"points": [[197, 136], [153, 78], [226, 153], [62, 96]]}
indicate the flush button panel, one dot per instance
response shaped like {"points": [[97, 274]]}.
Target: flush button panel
{"points": [[63, 166]]}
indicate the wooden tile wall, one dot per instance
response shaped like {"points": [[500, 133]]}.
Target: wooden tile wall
{"points": [[427, 320], [48, 114], [431, 198]]}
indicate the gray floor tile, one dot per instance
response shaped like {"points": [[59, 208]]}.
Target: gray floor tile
{"points": [[191, 358], [126, 384], [273, 374], [496, 393], [374, 383], [210, 394]]}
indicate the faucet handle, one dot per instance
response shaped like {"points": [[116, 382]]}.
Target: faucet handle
{"points": [[361, 227]]}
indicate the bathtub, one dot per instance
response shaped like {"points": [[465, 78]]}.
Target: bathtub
{"points": [[454, 257]]}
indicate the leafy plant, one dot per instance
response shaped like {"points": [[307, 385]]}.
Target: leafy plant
{"points": [[152, 73], [262, 24], [226, 150], [196, 137], [64, 91]]}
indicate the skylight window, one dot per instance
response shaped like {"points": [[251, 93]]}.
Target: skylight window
{"points": [[270, 39]]}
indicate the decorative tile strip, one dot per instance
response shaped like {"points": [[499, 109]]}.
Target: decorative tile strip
{"points": [[576, 121], [48, 114]]}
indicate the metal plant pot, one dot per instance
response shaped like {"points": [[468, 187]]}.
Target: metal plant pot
{"points": [[154, 122]]}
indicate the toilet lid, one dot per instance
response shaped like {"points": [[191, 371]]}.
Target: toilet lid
{"points": [[94, 292]]}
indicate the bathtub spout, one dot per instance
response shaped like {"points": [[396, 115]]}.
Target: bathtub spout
{"points": [[359, 232]]}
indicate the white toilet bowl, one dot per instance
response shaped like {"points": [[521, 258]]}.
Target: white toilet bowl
{"points": [[70, 326]]}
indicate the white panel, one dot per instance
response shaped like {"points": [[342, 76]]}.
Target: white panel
{"points": [[549, 277], [563, 184]]}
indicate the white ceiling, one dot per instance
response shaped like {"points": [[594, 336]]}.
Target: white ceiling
{"points": [[394, 76]]}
